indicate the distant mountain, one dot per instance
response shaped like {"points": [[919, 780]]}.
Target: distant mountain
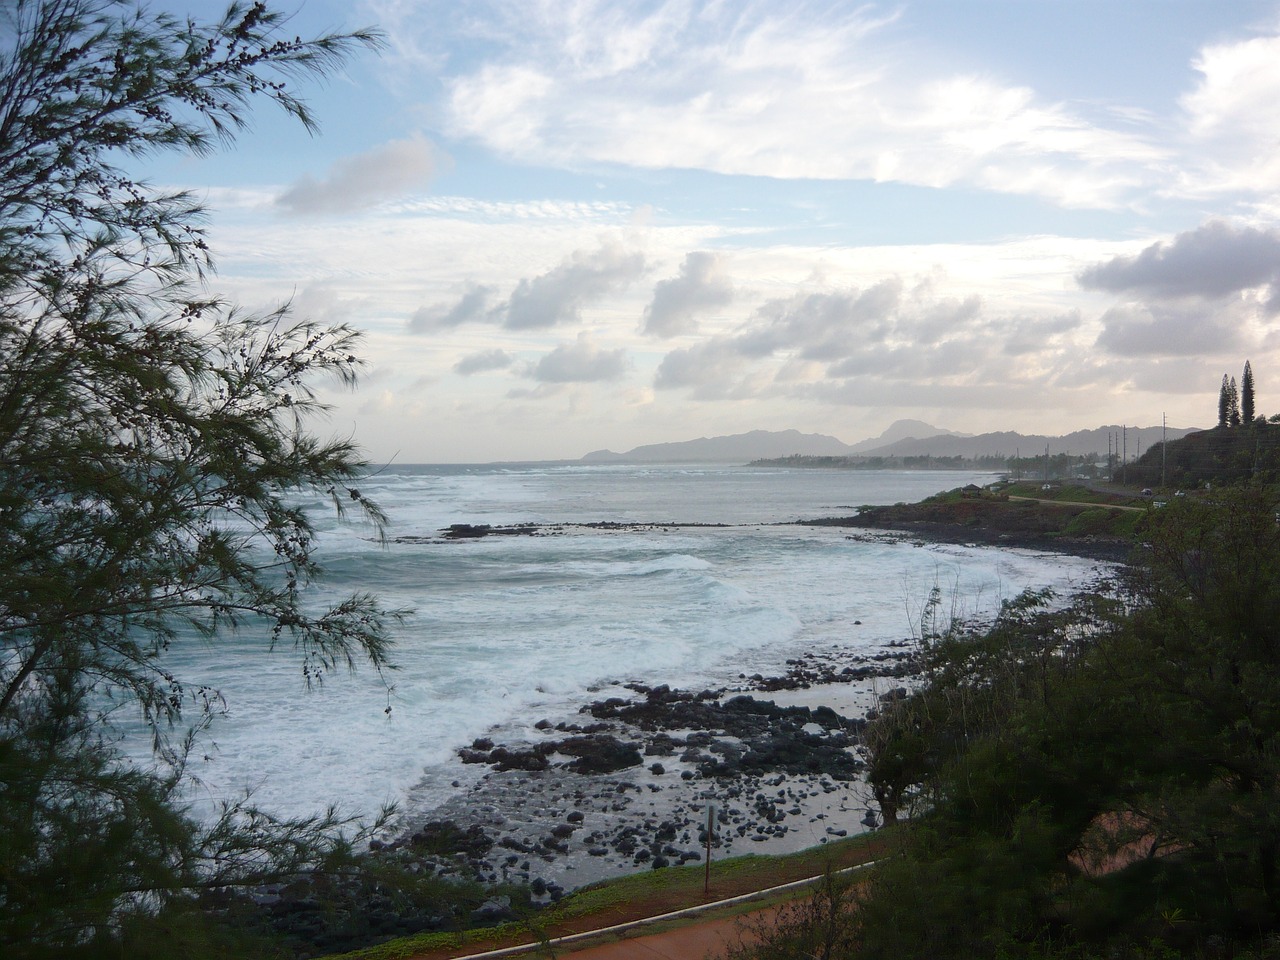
{"points": [[1130, 440], [901, 430], [739, 448], [904, 438]]}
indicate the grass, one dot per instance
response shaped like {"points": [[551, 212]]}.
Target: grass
{"points": [[636, 896]]}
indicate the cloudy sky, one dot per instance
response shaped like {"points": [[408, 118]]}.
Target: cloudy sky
{"points": [[567, 225]]}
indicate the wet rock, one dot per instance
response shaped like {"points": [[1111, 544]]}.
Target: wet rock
{"points": [[495, 910], [447, 838], [599, 753]]}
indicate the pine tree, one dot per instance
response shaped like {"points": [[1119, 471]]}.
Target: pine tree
{"points": [[1233, 400], [1246, 395], [1224, 402], [153, 442]]}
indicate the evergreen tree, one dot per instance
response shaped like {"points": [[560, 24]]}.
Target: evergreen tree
{"points": [[1233, 399], [1224, 402], [1247, 412], [153, 443]]}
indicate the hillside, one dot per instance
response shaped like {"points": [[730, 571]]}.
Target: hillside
{"points": [[1069, 519], [903, 438], [1221, 455], [1009, 444], [738, 448]]}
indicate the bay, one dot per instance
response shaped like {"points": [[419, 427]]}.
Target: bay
{"points": [[505, 631]]}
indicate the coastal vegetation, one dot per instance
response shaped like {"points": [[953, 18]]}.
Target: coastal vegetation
{"points": [[639, 896], [1068, 517], [1097, 780], [1224, 454], [153, 440], [1074, 781]]}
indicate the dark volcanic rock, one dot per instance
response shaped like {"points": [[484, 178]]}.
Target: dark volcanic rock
{"points": [[772, 738], [447, 838], [469, 531], [814, 669], [591, 753], [598, 753]]}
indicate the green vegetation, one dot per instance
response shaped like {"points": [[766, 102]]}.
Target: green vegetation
{"points": [[1246, 394], [152, 443], [645, 894], [1099, 780], [1215, 457], [1062, 517]]}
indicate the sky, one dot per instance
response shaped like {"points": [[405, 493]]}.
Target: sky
{"points": [[567, 225]]}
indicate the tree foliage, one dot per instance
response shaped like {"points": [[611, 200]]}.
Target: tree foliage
{"points": [[153, 440], [1247, 411], [1101, 779]]}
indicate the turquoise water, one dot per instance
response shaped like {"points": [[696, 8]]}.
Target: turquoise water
{"points": [[505, 631]]}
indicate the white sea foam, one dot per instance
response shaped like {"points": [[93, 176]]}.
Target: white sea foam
{"points": [[508, 630]]}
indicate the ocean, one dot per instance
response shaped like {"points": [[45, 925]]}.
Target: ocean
{"points": [[505, 631]]}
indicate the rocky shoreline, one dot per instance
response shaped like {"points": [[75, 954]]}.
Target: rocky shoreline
{"points": [[627, 784], [632, 782], [900, 522], [886, 522]]}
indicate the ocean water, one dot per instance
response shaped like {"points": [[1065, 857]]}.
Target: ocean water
{"points": [[507, 630]]}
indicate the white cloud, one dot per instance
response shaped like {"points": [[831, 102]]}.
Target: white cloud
{"points": [[1169, 330], [707, 367], [357, 182], [472, 306], [701, 285], [1213, 261], [581, 361], [824, 326], [1031, 335], [1232, 116], [558, 295], [482, 362], [757, 91]]}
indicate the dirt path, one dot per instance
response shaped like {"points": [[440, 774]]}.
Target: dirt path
{"points": [[695, 941], [683, 931], [1079, 503]]}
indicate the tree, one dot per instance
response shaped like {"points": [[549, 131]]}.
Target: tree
{"points": [[1233, 403], [1224, 402], [1247, 412], [152, 443], [1088, 791]]}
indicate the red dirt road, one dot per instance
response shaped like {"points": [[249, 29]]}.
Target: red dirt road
{"points": [[696, 941]]}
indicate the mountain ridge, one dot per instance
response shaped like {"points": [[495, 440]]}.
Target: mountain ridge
{"points": [[903, 438]]}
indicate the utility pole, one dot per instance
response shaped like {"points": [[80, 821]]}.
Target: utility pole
{"points": [[1124, 455], [1164, 448]]}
